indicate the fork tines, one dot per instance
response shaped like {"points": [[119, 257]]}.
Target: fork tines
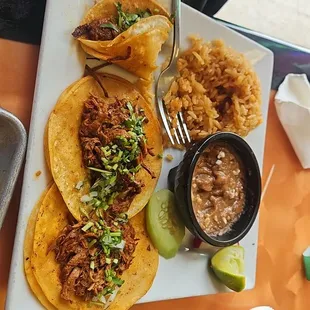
{"points": [[180, 133]]}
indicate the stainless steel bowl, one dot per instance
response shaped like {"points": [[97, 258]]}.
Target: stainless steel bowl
{"points": [[13, 140]]}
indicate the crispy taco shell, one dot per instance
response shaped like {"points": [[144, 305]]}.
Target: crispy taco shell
{"points": [[51, 219], [144, 38], [64, 148]]}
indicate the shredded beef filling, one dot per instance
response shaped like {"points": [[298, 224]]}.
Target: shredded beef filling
{"points": [[74, 255], [95, 252], [102, 125], [98, 30], [109, 28]]}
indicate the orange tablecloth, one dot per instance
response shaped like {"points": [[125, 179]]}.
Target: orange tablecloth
{"points": [[284, 230]]}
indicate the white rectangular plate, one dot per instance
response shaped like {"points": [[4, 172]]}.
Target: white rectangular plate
{"points": [[61, 63]]}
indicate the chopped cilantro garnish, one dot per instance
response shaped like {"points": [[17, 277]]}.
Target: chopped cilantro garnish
{"points": [[87, 226], [116, 234], [90, 244], [126, 19], [120, 157], [110, 26], [118, 281]]}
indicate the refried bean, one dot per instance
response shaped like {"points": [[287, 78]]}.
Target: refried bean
{"points": [[218, 194]]}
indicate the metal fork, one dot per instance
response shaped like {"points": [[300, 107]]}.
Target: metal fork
{"points": [[180, 133]]}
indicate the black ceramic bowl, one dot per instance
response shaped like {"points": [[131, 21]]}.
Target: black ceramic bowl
{"points": [[180, 179]]}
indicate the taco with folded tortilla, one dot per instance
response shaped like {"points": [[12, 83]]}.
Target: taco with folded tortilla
{"points": [[28, 245], [127, 33], [89, 264], [104, 147]]}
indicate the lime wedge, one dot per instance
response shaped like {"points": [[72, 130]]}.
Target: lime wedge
{"points": [[228, 265]]}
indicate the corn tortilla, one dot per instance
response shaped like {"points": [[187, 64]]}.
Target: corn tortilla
{"points": [[64, 146], [51, 219], [145, 37], [28, 245]]}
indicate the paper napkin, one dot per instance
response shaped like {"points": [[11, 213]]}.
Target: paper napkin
{"points": [[293, 107]]}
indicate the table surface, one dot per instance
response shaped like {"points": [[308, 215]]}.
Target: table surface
{"points": [[284, 213]]}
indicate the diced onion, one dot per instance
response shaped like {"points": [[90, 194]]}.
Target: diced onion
{"points": [[79, 185], [111, 298], [86, 198], [103, 300], [92, 265], [121, 245], [93, 194]]}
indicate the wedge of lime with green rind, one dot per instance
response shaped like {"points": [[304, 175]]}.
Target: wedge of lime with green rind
{"points": [[228, 266], [163, 223]]}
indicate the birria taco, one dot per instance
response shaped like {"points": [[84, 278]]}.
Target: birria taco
{"points": [[104, 147], [90, 264], [128, 33]]}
